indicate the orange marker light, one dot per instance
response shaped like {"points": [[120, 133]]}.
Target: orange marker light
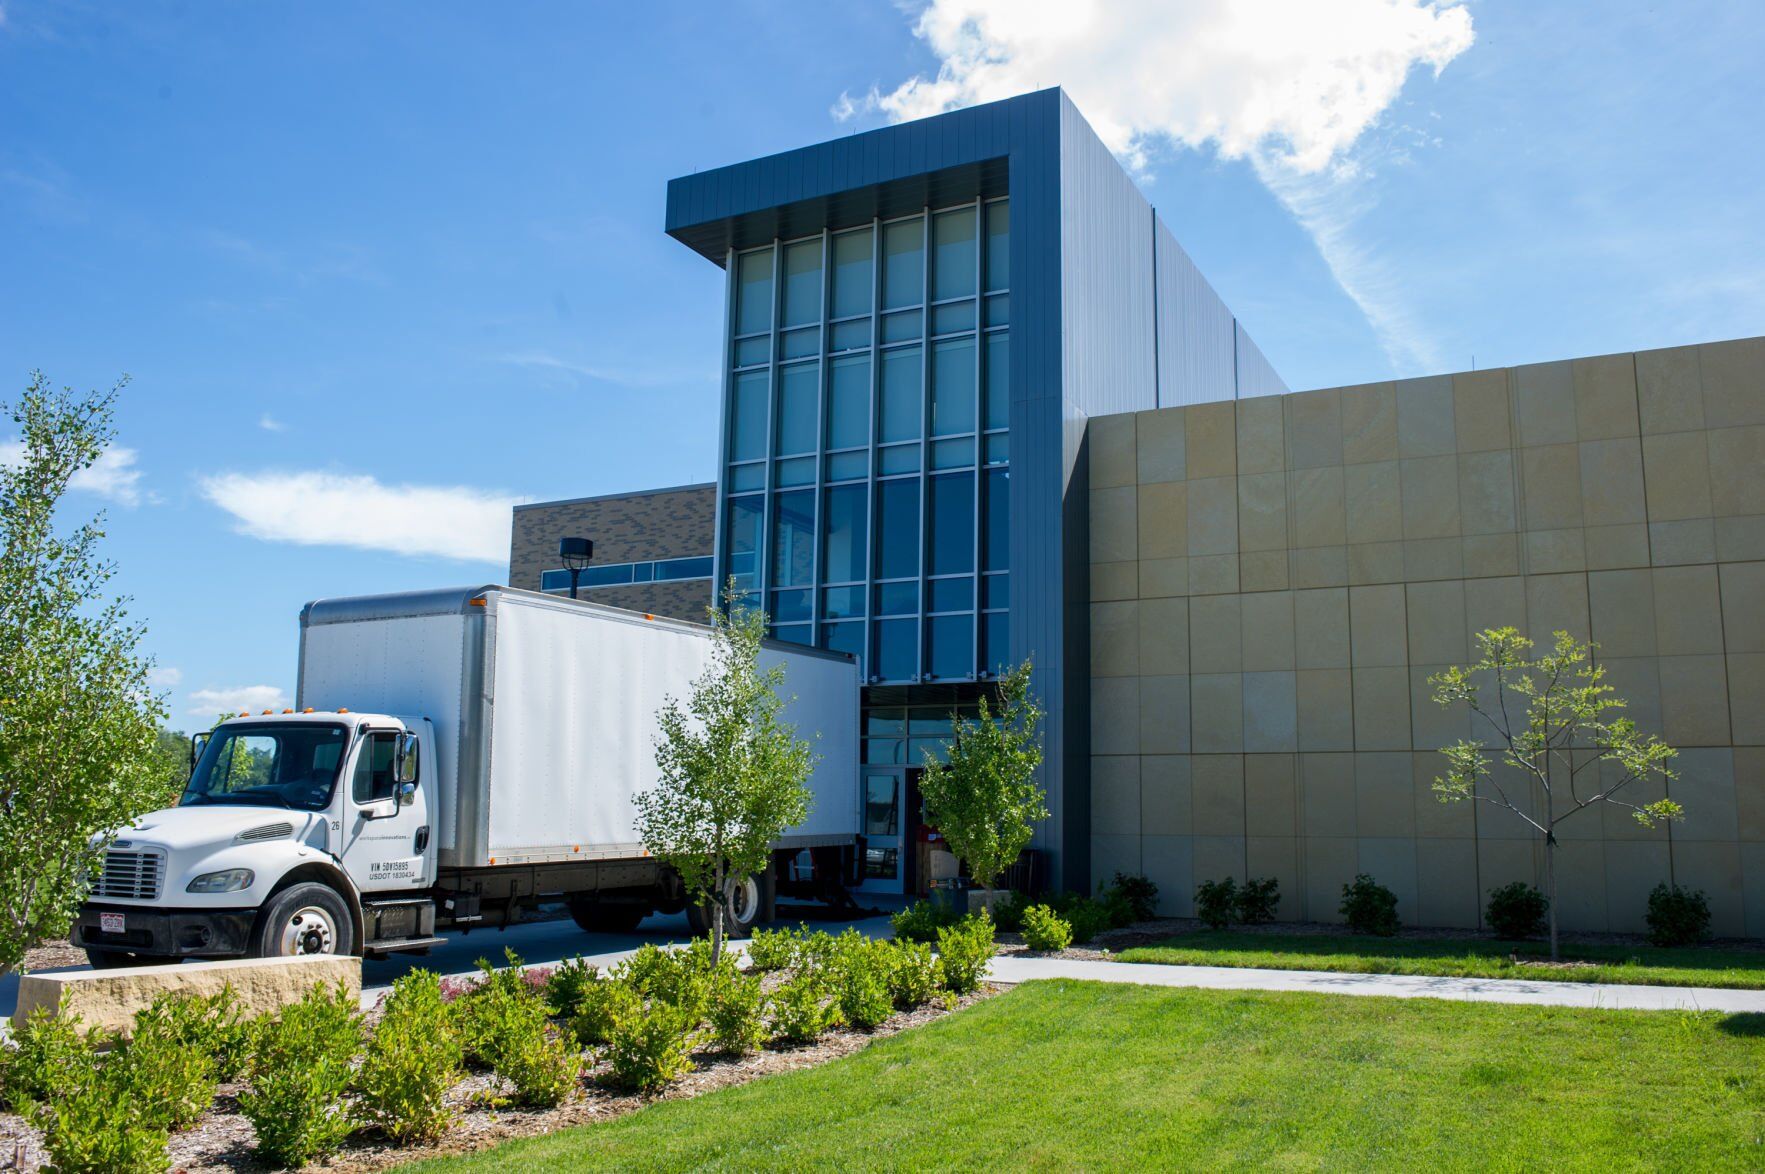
{"points": [[343, 711], [308, 709], [287, 711]]}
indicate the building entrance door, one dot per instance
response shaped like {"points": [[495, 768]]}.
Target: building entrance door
{"points": [[887, 852]]}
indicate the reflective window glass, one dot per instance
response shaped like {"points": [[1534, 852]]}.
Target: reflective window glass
{"points": [[844, 549], [903, 264], [903, 395], [998, 537], [747, 477], [953, 454], [999, 245], [793, 542], [844, 466], [998, 380], [897, 599], [848, 402], [953, 378], [900, 458], [802, 283], [950, 594], [995, 591], [852, 273], [798, 389], [845, 638], [684, 568], [950, 521], [953, 254], [881, 805], [742, 538], [747, 425], [897, 529], [841, 603], [753, 276], [998, 448], [753, 350], [851, 335], [953, 318], [952, 646], [796, 471], [885, 722], [797, 344], [789, 606], [903, 326], [794, 633], [897, 650], [999, 310]]}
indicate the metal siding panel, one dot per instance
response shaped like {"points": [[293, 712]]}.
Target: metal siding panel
{"points": [[1256, 376], [1196, 332]]}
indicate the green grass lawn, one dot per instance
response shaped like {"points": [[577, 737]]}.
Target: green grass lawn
{"points": [[1460, 958], [1099, 1076]]}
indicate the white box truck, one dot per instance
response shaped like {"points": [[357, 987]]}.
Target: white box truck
{"points": [[455, 758]]}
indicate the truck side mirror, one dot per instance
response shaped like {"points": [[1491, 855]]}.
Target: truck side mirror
{"points": [[198, 742], [404, 762]]}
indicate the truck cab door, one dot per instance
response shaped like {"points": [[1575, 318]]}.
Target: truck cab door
{"points": [[387, 827]]}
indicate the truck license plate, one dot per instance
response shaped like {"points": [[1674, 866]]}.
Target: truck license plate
{"points": [[110, 922]]}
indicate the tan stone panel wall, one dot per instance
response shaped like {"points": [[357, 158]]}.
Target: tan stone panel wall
{"points": [[1274, 580]]}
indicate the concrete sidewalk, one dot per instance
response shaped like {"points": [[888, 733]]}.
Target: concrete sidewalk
{"points": [[1021, 968]]}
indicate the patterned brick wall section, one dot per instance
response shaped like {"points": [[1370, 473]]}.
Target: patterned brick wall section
{"points": [[633, 527], [1273, 580]]}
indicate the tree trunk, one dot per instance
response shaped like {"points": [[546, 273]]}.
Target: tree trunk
{"points": [[1550, 884], [717, 901]]}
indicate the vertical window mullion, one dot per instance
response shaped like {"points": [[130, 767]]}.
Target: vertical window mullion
{"points": [[870, 494], [925, 428], [980, 420], [825, 378], [774, 391]]}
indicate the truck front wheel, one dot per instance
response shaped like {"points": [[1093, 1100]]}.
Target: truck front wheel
{"points": [[307, 918]]}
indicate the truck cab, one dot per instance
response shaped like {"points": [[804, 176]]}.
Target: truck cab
{"points": [[297, 833]]}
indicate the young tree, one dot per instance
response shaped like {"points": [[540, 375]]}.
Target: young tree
{"points": [[732, 773], [1565, 735], [78, 720], [983, 797]]}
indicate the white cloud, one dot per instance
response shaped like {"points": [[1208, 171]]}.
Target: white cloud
{"points": [[165, 677], [1290, 86], [247, 698], [335, 509], [113, 476], [269, 423]]}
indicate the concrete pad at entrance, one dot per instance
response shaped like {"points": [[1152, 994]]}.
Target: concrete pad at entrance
{"points": [[108, 999], [1597, 996]]}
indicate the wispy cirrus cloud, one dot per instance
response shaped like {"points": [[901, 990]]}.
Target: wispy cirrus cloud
{"points": [[1289, 86], [574, 370], [358, 511]]}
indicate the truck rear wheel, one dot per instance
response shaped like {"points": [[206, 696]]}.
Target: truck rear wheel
{"points": [[741, 913], [307, 918], [607, 916]]}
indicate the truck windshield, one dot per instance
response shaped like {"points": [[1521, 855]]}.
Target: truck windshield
{"points": [[273, 764]]}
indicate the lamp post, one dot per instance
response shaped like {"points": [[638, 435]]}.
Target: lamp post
{"points": [[576, 553]]}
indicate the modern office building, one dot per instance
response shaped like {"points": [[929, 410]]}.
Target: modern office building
{"points": [[979, 406], [652, 549]]}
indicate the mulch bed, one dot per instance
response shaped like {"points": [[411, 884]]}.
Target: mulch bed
{"points": [[223, 1140]]}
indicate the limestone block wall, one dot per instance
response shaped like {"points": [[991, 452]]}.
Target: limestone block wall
{"points": [[1273, 580]]}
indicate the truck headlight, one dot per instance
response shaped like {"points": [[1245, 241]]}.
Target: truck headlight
{"points": [[228, 881]]}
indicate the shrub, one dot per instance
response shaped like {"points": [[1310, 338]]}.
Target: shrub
{"points": [[1369, 907], [1256, 901], [649, 1052], [965, 949], [602, 1006], [299, 1070], [1516, 910], [412, 1061], [861, 981], [1677, 917], [567, 985], [915, 974], [48, 1057], [801, 1010], [95, 1125], [504, 1026], [816, 950], [921, 921], [165, 1066], [540, 1064], [1215, 902], [1045, 930], [1140, 894], [675, 977], [1115, 910], [737, 1023], [772, 949], [1008, 913]]}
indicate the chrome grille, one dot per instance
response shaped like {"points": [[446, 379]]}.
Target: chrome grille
{"points": [[131, 875]]}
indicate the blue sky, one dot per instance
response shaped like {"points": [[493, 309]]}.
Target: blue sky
{"points": [[378, 271]]}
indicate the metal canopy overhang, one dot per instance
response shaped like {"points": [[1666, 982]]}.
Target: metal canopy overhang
{"points": [[844, 209]]}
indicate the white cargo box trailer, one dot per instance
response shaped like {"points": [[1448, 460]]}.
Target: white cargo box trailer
{"points": [[545, 713], [456, 758]]}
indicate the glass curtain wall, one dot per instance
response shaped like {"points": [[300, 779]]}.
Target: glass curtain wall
{"points": [[868, 445]]}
